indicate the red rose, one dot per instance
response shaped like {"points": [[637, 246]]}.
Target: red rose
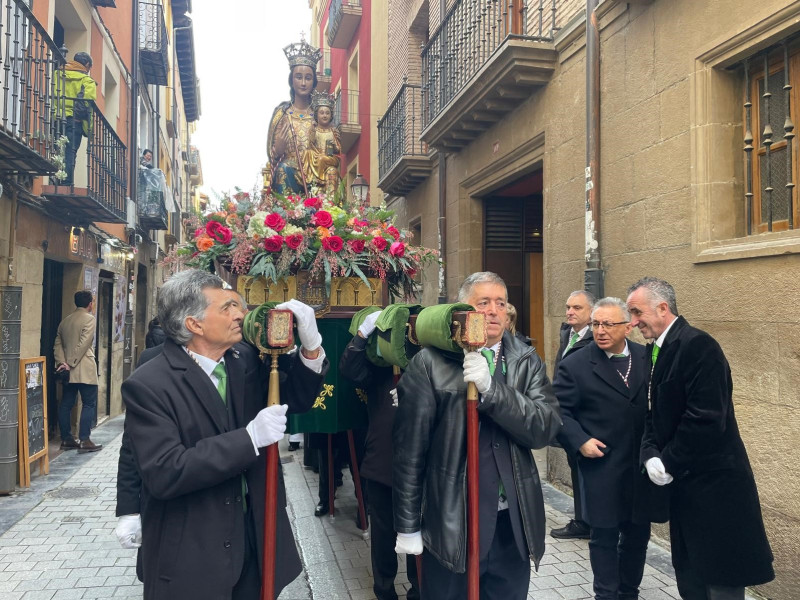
{"points": [[198, 232], [333, 243], [312, 202], [273, 244], [392, 231], [356, 246], [322, 219], [379, 243], [294, 240], [397, 249], [219, 232], [275, 221]]}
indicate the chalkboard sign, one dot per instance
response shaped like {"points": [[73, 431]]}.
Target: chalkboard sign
{"points": [[32, 417]]}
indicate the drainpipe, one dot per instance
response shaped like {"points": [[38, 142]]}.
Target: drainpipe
{"points": [[133, 141], [442, 196], [593, 273]]}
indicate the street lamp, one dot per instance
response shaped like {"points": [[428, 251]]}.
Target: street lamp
{"points": [[360, 189]]}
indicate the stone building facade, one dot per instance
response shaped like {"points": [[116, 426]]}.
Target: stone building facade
{"points": [[692, 187]]}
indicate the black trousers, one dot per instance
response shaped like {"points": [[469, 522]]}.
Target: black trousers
{"points": [[384, 559], [577, 490], [249, 585], [617, 555], [73, 129], [505, 575]]}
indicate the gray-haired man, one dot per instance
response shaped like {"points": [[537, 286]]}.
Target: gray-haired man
{"points": [[196, 422]]}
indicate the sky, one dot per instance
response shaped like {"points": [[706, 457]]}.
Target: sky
{"points": [[243, 76]]}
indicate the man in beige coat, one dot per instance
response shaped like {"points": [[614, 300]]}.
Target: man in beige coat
{"points": [[73, 353]]}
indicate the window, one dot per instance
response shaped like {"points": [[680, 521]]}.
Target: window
{"points": [[770, 144]]}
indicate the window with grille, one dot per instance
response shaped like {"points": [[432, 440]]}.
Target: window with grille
{"points": [[770, 145]]}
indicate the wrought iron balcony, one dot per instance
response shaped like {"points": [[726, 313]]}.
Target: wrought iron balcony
{"points": [[98, 192], [29, 95], [486, 58], [153, 43], [403, 160], [343, 20], [324, 71], [345, 115]]}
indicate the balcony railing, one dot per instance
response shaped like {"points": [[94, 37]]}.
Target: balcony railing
{"points": [[343, 20], [29, 61], [403, 160], [345, 114], [153, 43], [469, 35], [100, 195], [151, 203]]}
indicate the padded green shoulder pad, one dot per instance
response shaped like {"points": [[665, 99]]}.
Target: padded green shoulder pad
{"points": [[433, 326]]}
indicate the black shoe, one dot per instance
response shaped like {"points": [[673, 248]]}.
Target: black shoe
{"points": [[70, 444], [574, 530], [294, 446], [89, 446], [321, 509]]}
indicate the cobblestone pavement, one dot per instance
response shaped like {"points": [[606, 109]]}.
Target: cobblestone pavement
{"points": [[57, 542]]}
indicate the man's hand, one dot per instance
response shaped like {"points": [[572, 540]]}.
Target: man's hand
{"points": [[368, 326], [476, 370], [409, 543], [63, 367], [269, 425], [657, 472], [129, 531], [306, 324], [592, 449]]}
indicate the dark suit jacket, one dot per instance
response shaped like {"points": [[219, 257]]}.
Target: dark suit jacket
{"points": [[595, 403], [191, 451], [563, 337], [692, 427]]}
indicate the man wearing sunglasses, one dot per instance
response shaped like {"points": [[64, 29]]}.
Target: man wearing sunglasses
{"points": [[602, 392]]}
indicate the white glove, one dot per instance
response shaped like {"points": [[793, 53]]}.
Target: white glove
{"points": [[306, 323], [393, 394], [409, 543], [368, 326], [656, 471], [476, 370], [129, 531], [269, 425]]}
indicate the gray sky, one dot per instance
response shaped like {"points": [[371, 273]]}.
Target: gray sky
{"points": [[243, 76]]}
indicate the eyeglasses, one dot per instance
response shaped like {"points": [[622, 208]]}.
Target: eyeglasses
{"points": [[606, 324]]}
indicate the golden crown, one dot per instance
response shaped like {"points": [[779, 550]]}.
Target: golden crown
{"points": [[322, 99], [302, 53]]}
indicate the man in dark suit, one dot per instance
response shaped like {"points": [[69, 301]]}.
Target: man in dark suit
{"points": [[602, 393], [691, 444], [575, 334], [196, 422], [518, 412]]}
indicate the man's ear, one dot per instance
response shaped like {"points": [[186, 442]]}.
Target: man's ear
{"points": [[194, 326]]}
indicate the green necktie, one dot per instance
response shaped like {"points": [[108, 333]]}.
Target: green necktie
{"points": [[573, 338], [618, 356], [488, 354], [222, 387], [654, 355]]}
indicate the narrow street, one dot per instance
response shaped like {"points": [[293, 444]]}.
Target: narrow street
{"points": [[57, 542]]}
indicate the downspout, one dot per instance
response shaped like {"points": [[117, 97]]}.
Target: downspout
{"points": [[442, 195], [593, 273], [133, 142]]}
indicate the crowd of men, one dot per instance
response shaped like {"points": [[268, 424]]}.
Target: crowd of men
{"points": [[650, 433]]}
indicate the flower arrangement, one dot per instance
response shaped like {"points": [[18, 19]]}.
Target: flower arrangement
{"points": [[280, 235]]}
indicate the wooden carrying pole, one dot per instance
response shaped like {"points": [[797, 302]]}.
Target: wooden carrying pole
{"points": [[469, 332], [280, 339]]}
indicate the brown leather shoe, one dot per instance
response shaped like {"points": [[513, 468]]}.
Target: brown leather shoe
{"points": [[70, 444], [89, 446]]}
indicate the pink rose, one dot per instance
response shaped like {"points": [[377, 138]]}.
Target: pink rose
{"points": [[275, 221], [356, 246], [219, 232], [397, 249], [273, 244], [322, 219], [379, 243], [333, 243], [199, 231], [294, 240], [392, 231]]}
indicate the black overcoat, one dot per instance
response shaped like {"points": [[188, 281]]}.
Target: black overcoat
{"points": [[596, 403], [190, 452], [714, 506], [563, 339]]}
